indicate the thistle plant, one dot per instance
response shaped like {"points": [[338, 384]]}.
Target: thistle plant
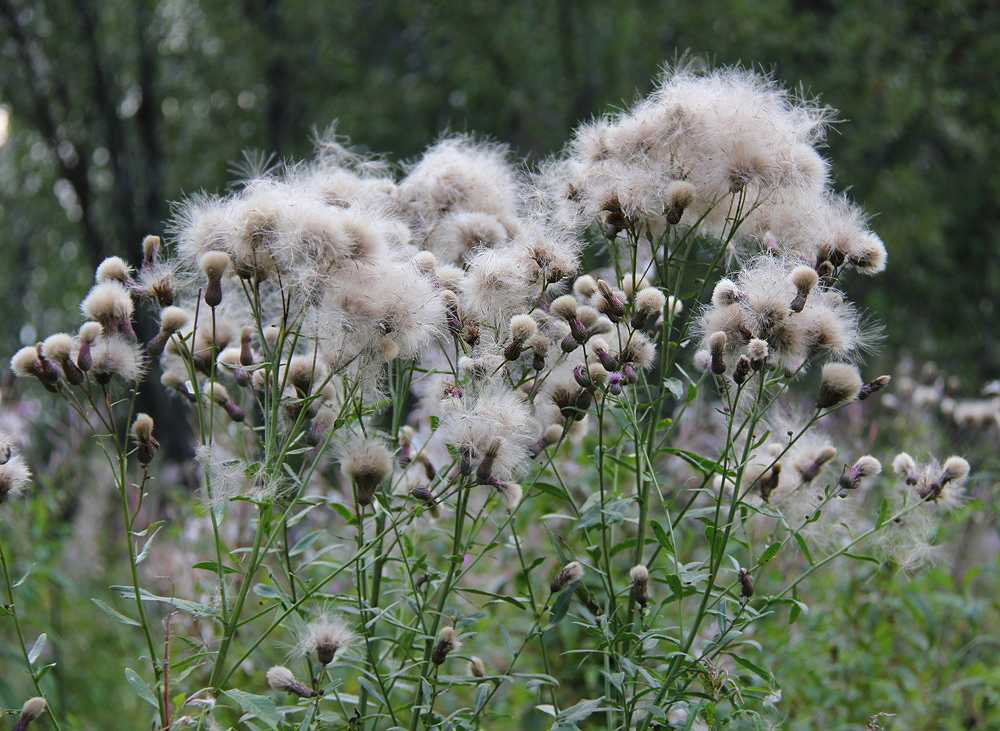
{"points": [[442, 464]]}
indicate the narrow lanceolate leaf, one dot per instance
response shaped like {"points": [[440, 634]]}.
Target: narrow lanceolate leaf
{"points": [[883, 513], [141, 687], [115, 614], [769, 553]]}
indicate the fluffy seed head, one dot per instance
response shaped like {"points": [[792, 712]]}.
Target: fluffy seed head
{"points": [[14, 477], [32, 710], [955, 468], [803, 277], [839, 383], [57, 347], [366, 462], [510, 492], [117, 356], [476, 667], [585, 286], [151, 248], [725, 293], [425, 262], [650, 299], [522, 327], [757, 349], [904, 466], [173, 319], [214, 264], [113, 269], [25, 362], [564, 307], [108, 301], [142, 427], [570, 573], [325, 637], [90, 331]]}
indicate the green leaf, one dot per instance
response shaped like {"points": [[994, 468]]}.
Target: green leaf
{"points": [[751, 666], [769, 553], [257, 706], [36, 649], [482, 693], [582, 710], [883, 513], [115, 614], [701, 464], [183, 605], [141, 687], [214, 567], [561, 605], [661, 536], [805, 548], [513, 601]]}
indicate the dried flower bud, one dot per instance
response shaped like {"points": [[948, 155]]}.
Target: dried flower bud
{"points": [[717, 351], [447, 643], [89, 332], [812, 469], [58, 349], [281, 678], [746, 583], [726, 293], [955, 469], [214, 264], [866, 466], [28, 361], [366, 462], [570, 574], [585, 286], [476, 667], [839, 383], [113, 269], [146, 444], [804, 279], [173, 381], [32, 710], [217, 393], [424, 495], [639, 575], [768, 481], [609, 303], [904, 466], [680, 194], [510, 492], [150, 250], [873, 387], [172, 319], [742, 370]]}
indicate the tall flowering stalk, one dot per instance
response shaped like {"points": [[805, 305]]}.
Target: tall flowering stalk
{"points": [[389, 377]]}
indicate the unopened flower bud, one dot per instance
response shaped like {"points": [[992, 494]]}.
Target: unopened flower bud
{"points": [[424, 495], [742, 370]]}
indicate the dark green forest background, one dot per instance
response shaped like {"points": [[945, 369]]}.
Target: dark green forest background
{"points": [[112, 108]]}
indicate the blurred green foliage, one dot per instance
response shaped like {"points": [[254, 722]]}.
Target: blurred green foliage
{"points": [[116, 107]]}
